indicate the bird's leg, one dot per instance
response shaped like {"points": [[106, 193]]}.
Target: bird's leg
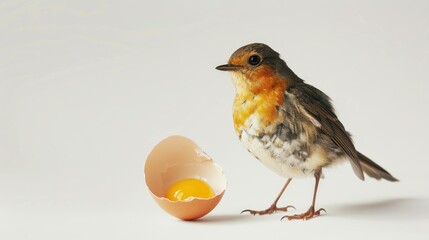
{"points": [[273, 208], [310, 212]]}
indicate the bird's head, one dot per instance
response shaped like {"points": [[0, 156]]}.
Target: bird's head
{"points": [[255, 67]]}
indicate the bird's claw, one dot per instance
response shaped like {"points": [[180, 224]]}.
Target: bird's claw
{"points": [[305, 216], [272, 209]]}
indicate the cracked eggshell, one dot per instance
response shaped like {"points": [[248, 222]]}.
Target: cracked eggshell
{"points": [[176, 158]]}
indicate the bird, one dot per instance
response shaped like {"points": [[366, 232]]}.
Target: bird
{"points": [[288, 125]]}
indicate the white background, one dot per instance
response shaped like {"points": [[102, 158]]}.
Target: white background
{"points": [[87, 88]]}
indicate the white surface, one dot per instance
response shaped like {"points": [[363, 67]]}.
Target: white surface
{"points": [[87, 88]]}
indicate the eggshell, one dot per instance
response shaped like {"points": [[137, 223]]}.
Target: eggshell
{"points": [[176, 158]]}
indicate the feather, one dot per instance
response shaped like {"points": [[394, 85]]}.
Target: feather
{"points": [[318, 106], [374, 170]]}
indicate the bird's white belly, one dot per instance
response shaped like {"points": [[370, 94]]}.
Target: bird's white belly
{"points": [[280, 158]]}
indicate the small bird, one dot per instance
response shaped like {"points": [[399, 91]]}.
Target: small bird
{"points": [[288, 125]]}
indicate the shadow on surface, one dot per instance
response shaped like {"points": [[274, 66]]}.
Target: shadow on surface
{"points": [[403, 208], [226, 218], [387, 209]]}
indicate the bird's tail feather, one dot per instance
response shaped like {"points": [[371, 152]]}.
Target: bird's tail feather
{"points": [[372, 169]]}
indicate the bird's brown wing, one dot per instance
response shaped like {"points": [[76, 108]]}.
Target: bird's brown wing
{"points": [[317, 104]]}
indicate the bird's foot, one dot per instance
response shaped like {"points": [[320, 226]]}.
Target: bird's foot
{"points": [[305, 216], [272, 209]]}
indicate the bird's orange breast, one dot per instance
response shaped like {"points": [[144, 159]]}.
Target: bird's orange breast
{"points": [[258, 101]]}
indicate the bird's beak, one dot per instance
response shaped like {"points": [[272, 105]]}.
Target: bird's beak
{"points": [[228, 67]]}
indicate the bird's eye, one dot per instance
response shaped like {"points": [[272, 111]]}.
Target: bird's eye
{"points": [[254, 60]]}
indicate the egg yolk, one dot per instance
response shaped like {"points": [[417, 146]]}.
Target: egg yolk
{"points": [[187, 188]]}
